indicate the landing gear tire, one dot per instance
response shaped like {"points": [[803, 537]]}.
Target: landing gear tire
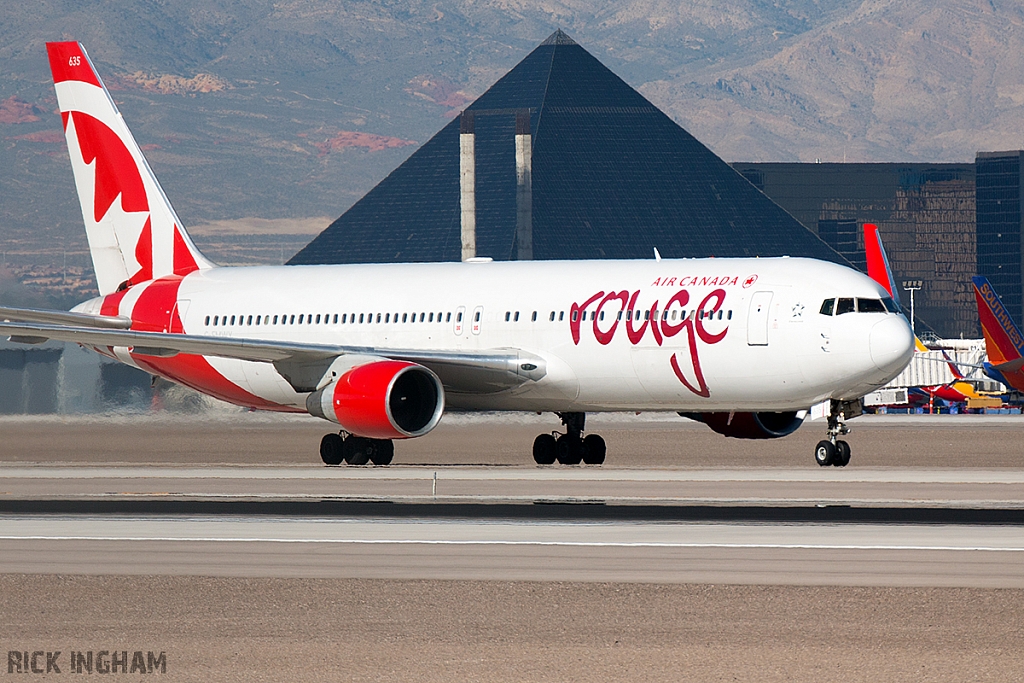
{"points": [[824, 453], [842, 458], [383, 452], [593, 449], [545, 449], [357, 450], [331, 449], [569, 450]]}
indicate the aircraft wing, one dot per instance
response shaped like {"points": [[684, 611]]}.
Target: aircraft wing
{"points": [[303, 365], [37, 315]]}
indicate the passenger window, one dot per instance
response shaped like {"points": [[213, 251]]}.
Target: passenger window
{"points": [[423, 317], [258, 319], [215, 319], [459, 317], [207, 321], [430, 318], [232, 320], [561, 316], [317, 318], [729, 317], [291, 319], [515, 318], [405, 317], [361, 317], [870, 306], [552, 316], [335, 318], [448, 317], [507, 316], [575, 316], [827, 306], [845, 306], [533, 319], [302, 316], [344, 318], [387, 317], [476, 317]]}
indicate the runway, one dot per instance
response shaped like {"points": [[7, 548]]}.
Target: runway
{"points": [[870, 527], [224, 544], [868, 555]]}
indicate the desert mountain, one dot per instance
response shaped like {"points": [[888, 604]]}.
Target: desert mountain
{"points": [[295, 108]]}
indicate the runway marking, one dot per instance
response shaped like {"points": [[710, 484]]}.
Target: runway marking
{"points": [[469, 473], [580, 544]]}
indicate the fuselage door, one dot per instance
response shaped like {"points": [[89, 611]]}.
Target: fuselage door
{"points": [[757, 319], [478, 315], [460, 320]]}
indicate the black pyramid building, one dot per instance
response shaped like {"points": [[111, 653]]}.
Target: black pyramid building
{"points": [[611, 176]]}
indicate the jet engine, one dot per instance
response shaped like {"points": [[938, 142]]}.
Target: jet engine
{"points": [[380, 399], [762, 425]]}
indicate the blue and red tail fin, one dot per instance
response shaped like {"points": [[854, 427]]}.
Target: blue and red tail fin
{"points": [[1004, 342]]}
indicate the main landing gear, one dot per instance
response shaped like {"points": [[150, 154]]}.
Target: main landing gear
{"points": [[833, 451], [570, 448], [355, 450]]}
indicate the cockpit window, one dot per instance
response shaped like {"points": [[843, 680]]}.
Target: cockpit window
{"points": [[870, 306], [890, 305], [826, 306], [845, 306]]}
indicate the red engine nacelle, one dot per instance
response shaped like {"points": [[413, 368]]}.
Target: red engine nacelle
{"points": [[750, 425], [384, 399]]}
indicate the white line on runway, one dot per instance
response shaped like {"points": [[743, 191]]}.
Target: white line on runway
{"points": [[818, 475], [458, 532], [580, 544]]}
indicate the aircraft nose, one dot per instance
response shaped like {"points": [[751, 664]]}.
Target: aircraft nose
{"points": [[892, 344]]}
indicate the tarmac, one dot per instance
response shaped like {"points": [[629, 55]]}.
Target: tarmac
{"points": [[222, 542]]}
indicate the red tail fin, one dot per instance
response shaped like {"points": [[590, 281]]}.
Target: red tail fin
{"points": [[878, 263]]}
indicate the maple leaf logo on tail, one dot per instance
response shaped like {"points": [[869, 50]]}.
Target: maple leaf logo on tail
{"points": [[134, 233]]}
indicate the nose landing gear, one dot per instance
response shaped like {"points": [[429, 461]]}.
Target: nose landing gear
{"points": [[833, 451], [570, 448]]}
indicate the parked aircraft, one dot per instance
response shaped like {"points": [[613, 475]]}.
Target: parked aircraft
{"points": [[746, 345], [959, 389], [1004, 342]]}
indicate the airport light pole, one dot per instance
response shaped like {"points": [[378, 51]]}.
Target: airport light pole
{"points": [[912, 286]]}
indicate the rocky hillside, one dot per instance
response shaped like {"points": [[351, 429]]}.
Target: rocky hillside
{"points": [[295, 108]]}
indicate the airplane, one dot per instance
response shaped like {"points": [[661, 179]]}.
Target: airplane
{"points": [[745, 345], [1004, 343], [958, 390]]}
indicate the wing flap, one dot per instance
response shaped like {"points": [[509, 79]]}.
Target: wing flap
{"points": [[36, 315], [303, 365]]}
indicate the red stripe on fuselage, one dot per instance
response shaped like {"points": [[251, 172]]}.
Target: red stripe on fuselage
{"points": [[155, 311]]}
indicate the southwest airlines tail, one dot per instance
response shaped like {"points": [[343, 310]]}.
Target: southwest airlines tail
{"points": [[134, 234], [1004, 342]]}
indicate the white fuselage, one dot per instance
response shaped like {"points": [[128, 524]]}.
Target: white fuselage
{"points": [[765, 345]]}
